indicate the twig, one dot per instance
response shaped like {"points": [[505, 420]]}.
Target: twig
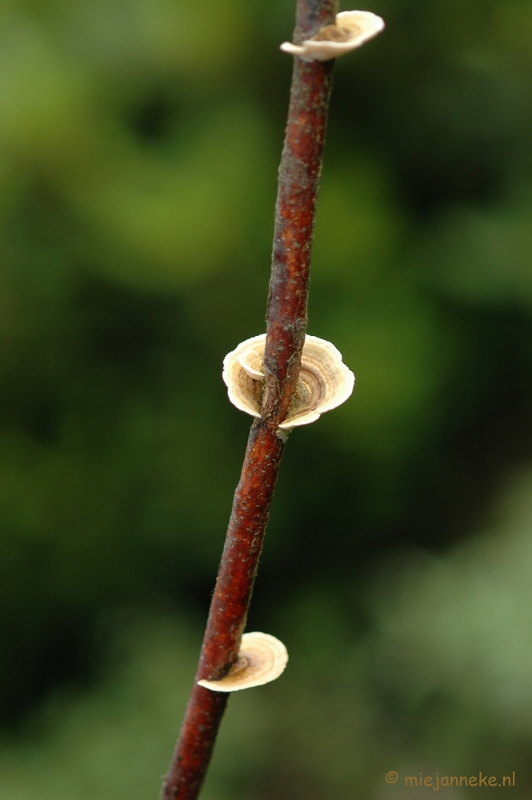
{"points": [[299, 176]]}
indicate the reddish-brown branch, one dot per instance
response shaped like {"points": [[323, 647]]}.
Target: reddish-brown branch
{"points": [[299, 175]]}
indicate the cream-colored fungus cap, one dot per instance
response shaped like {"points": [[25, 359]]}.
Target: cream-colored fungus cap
{"points": [[324, 380], [351, 30], [261, 659]]}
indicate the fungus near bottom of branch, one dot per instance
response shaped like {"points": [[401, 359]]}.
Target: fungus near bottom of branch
{"points": [[324, 380], [261, 659], [351, 30]]}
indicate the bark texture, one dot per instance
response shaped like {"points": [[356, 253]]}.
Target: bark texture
{"points": [[299, 176]]}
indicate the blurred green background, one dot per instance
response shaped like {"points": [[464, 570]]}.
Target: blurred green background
{"points": [[139, 144]]}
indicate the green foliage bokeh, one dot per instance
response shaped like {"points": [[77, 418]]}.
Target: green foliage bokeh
{"points": [[139, 143]]}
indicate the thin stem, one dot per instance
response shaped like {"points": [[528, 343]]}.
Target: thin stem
{"points": [[299, 176]]}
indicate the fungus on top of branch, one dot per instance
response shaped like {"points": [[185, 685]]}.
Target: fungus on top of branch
{"points": [[261, 659], [324, 380], [351, 30]]}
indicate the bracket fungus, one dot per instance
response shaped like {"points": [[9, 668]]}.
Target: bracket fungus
{"points": [[351, 30], [324, 380], [261, 659]]}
